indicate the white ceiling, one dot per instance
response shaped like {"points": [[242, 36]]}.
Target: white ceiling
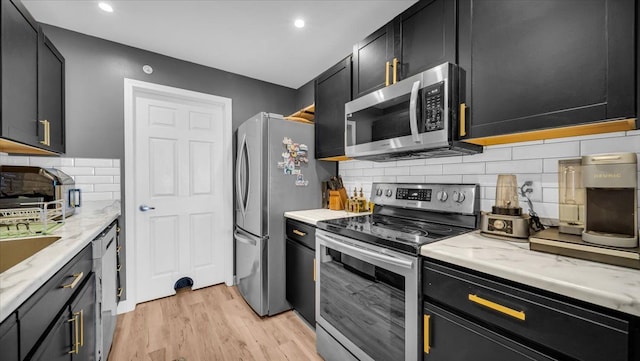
{"points": [[255, 38]]}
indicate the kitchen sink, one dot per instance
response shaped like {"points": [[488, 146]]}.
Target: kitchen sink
{"points": [[15, 251]]}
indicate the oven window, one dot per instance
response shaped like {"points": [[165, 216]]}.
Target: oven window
{"points": [[365, 303], [386, 120]]}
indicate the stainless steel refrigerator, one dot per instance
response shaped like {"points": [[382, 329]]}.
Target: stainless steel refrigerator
{"points": [[275, 172]]}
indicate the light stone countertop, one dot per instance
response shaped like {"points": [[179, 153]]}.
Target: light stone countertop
{"points": [[313, 216], [613, 287], [19, 282]]}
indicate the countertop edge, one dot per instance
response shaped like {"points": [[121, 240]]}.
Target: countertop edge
{"points": [[558, 283], [18, 283]]}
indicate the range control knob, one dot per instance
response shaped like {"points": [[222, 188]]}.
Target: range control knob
{"points": [[458, 197], [442, 196], [389, 193], [379, 192]]}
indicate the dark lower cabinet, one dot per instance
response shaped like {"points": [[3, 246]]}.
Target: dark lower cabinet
{"points": [[332, 92], [9, 345], [452, 338], [495, 319], [532, 65], [72, 335], [300, 269]]}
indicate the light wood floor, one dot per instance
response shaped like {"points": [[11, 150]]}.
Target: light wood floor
{"points": [[212, 323]]}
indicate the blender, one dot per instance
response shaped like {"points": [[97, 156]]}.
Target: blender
{"points": [[506, 218]]}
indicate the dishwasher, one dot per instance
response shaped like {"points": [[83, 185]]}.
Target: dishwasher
{"points": [[104, 267]]}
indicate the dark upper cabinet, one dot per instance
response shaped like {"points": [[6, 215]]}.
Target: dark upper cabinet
{"points": [[372, 59], [332, 91], [420, 38], [543, 64], [424, 37], [32, 82], [51, 96], [19, 74]]}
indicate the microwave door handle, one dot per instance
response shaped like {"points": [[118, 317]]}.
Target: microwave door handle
{"points": [[413, 116]]}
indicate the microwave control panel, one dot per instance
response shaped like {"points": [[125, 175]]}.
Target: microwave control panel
{"points": [[433, 107]]}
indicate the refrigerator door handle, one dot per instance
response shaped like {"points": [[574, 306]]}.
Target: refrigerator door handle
{"points": [[239, 181], [243, 239]]}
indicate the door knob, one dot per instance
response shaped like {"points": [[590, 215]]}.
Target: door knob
{"points": [[145, 208]]}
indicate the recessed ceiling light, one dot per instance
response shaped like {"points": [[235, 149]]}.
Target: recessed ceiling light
{"points": [[299, 23], [106, 7]]}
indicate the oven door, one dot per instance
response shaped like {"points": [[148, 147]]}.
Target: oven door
{"points": [[366, 300], [411, 115]]}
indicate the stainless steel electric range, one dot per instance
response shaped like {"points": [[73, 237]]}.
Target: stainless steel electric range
{"points": [[368, 267]]}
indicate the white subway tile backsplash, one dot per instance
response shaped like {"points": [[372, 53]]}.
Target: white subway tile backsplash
{"points": [[98, 179], [373, 171], [107, 171], [608, 145], [97, 196], [410, 162], [106, 187], [515, 166], [489, 155], [550, 195], [74, 171], [443, 179], [93, 179], [14, 160], [93, 162], [432, 169], [351, 172], [397, 171], [411, 179], [565, 149], [464, 168], [536, 161]]}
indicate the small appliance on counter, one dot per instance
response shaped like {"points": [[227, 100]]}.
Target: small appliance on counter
{"points": [[22, 184], [571, 196], [612, 199], [609, 214], [506, 218]]}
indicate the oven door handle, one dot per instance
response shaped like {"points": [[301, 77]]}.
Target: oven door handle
{"points": [[413, 116], [342, 246]]}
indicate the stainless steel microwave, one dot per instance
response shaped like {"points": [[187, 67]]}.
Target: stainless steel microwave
{"points": [[418, 117]]}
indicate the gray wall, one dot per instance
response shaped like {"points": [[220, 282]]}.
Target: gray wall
{"points": [[95, 69]]}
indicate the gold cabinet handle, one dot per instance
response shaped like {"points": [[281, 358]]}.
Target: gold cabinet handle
{"points": [[120, 290], [427, 347], [119, 268], [75, 345], [497, 307], [386, 74], [463, 120], [47, 132], [299, 233], [81, 314], [395, 70], [314, 270], [78, 277]]}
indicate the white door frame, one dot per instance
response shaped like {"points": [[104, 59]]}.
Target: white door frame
{"points": [[131, 89]]}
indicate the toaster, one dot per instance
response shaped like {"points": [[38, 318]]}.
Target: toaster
{"points": [[22, 184]]}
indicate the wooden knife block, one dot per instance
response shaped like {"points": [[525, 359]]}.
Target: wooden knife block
{"points": [[338, 199]]}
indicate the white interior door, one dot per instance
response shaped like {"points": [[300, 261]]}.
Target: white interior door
{"points": [[181, 200]]}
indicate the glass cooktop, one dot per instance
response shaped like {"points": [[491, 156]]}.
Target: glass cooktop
{"points": [[405, 235]]}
